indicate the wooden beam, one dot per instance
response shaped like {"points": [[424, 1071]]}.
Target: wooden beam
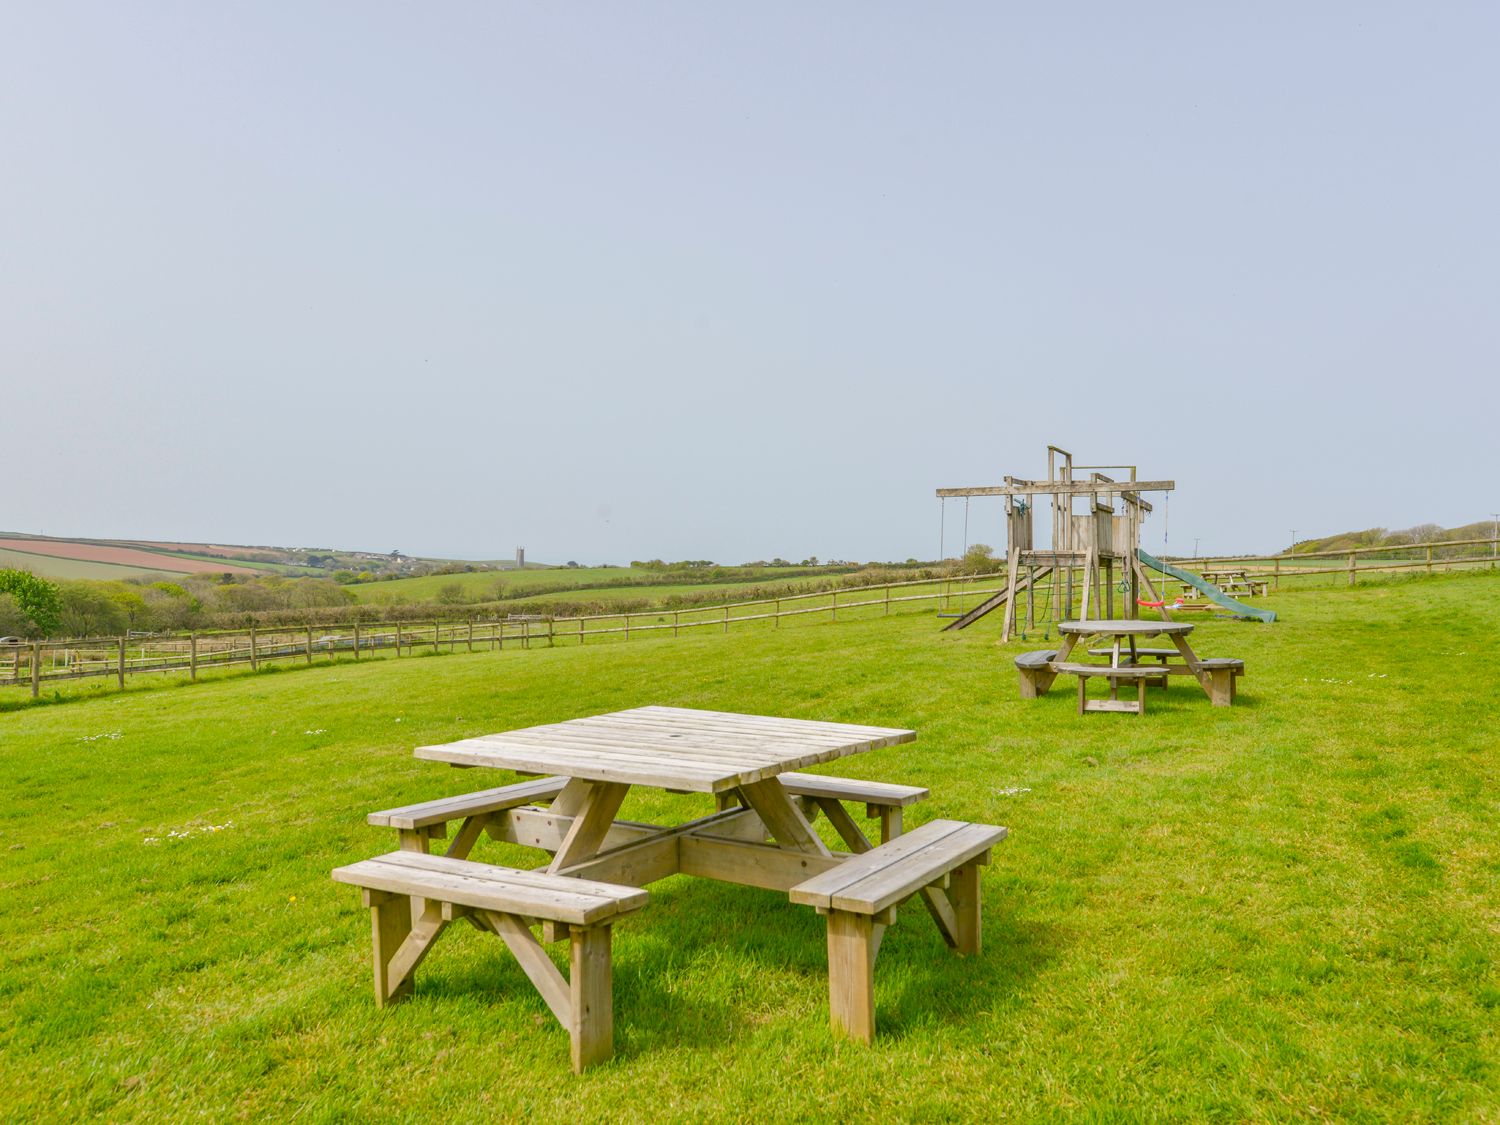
{"points": [[591, 825], [1064, 488], [750, 865], [782, 817]]}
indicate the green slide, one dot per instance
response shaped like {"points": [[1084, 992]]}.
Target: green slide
{"points": [[1210, 591]]}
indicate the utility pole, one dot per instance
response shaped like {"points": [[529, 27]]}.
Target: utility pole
{"points": [[1195, 546], [1294, 539]]}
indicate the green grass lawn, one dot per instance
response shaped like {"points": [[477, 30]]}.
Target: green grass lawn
{"points": [[1286, 910]]}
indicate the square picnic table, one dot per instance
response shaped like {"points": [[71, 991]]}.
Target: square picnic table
{"points": [[679, 750], [760, 835]]}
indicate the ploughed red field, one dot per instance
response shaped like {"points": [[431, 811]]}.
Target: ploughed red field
{"points": [[124, 556]]}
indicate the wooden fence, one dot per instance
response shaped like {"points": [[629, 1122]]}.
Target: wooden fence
{"points": [[1357, 561], [36, 663]]}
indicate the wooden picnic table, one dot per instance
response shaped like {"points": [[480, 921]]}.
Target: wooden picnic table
{"points": [[1127, 663], [761, 835]]}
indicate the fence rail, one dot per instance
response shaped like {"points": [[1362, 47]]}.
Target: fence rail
{"points": [[34, 664]]}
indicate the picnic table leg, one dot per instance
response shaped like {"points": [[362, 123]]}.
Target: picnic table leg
{"points": [[963, 896], [390, 923], [851, 975], [591, 823], [590, 982], [1221, 686], [1082, 694], [782, 817], [1193, 663]]}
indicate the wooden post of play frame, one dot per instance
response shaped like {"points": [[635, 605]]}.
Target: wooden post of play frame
{"points": [[122, 664]]}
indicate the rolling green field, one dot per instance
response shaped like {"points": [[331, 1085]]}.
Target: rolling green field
{"points": [[1287, 910], [597, 583]]}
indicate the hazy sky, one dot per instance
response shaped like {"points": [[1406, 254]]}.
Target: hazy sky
{"points": [[700, 280]]}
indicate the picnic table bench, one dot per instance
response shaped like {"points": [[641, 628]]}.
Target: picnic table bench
{"points": [[1232, 582], [760, 835]]}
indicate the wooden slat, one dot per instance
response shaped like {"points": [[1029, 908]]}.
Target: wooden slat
{"points": [[468, 804], [852, 789], [590, 765], [881, 878], [486, 887], [669, 747]]}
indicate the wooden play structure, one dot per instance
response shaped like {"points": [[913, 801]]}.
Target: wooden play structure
{"points": [[1088, 548]]}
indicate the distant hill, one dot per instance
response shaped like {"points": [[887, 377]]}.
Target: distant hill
{"points": [[1384, 537], [53, 557]]}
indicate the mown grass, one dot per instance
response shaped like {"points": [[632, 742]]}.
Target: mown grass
{"points": [[1285, 910]]}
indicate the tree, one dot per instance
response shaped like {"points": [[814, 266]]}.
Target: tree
{"points": [[451, 593], [35, 597]]}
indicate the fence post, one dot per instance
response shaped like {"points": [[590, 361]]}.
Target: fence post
{"points": [[551, 643], [674, 622], [1429, 558], [726, 619], [1277, 561], [398, 640], [122, 664], [776, 618], [526, 634], [193, 657], [887, 601], [580, 632], [1351, 568], [36, 668], [835, 616], [627, 626], [356, 640], [434, 638], [471, 634], [309, 644], [254, 665]]}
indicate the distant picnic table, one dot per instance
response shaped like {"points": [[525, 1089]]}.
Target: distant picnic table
{"points": [[760, 836], [1128, 662]]}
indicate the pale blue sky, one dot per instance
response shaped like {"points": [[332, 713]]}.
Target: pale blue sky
{"points": [[634, 280]]}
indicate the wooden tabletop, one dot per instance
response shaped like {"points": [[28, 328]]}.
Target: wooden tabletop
{"points": [[669, 747], [1126, 628]]}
